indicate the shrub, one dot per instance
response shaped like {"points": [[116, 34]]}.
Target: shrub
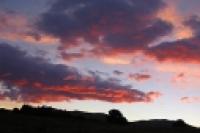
{"points": [[115, 116]]}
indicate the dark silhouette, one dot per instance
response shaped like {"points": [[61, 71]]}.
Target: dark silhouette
{"points": [[46, 119], [180, 124], [115, 116]]}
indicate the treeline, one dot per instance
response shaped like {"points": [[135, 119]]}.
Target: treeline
{"points": [[43, 111], [114, 116]]}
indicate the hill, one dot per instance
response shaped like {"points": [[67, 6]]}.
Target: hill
{"points": [[49, 120]]}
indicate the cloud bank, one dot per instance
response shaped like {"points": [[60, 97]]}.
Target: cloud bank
{"points": [[31, 79], [110, 26]]}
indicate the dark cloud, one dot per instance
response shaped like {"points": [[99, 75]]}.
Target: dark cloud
{"points": [[71, 56], [109, 25], [29, 7], [180, 75], [32, 79], [17, 65], [117, 72], [98, 73], [194, 23], [15, 26], [184, 50]]}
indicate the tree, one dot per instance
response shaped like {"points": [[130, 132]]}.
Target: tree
{"points": [[26, 109], [115, 116], [179, 123]]}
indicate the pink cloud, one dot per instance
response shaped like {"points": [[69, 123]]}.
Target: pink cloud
{"points": [[139, 76], [190, 99]]}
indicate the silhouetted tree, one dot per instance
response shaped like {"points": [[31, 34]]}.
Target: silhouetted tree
{"points": [[179, 123], [27, 109], [16, 110], [115, 116], [43, 111]]}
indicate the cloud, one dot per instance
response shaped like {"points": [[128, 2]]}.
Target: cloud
{"points": [[183, 75], [139, 77], [32, 79], [154, 95], [172, 15], [71, 56], [179, 77], [190, 99], [17, 27], [194, 23], [186, 50], [116, 60], [110, 26], [182, 50], [117, 72], [2, 97]]}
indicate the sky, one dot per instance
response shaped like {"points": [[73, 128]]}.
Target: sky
{"points": [[139, 56]]}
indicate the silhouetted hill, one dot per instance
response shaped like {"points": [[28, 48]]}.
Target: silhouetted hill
{"points": [[49, 120]]}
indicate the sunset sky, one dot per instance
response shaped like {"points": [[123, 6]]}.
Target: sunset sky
{"points": [[139, 56]]}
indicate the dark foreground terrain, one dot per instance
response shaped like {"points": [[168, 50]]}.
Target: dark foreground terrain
{"points": [[49, 120]]}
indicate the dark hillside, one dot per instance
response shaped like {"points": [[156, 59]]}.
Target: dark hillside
{"points": [[49, 120]]}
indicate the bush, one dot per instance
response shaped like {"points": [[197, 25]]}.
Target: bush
{"points": [[180, 123], [115, 116]]}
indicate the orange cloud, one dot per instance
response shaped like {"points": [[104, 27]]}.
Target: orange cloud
{"points": [[139, 76], [9, 104], [116, 60], [171, 15], [153, 95], [46, 93]]}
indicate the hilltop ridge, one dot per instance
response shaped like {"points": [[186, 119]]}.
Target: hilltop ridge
{"points": [[49, 120]]}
